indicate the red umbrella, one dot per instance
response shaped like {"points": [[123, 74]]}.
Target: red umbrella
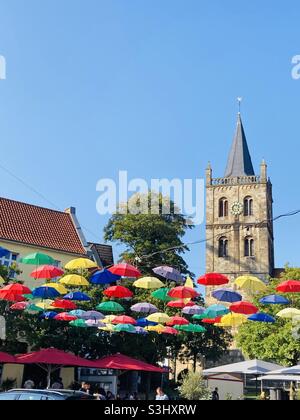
{"points": [[290, 286], [213, 279], [124, 320], [10, 296], [125, 270], [183, 292], [17, 289], [20, 306], [7, 358], [212, 321], [64, 304], [171, 331], [245, 308], [177, 320], [119, 292], [65, 317], [180, 304], [121, 362], [47, 272]]}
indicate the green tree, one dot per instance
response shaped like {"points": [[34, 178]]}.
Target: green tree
{"points": [[194, 388], [274, 342]]}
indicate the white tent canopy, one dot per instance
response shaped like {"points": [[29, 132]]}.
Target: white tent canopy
{"points": [[294, 370], [251, 367], [281, 378]]}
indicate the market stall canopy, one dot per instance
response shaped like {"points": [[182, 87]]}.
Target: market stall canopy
{"points": [[7, 358], [281, 378], [294, 370], [251, 367], [121, 362]]}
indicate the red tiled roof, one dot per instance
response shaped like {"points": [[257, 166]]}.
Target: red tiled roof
{"points": [[38, 226]]}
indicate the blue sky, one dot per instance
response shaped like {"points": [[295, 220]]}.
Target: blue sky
{"points": [[150, 87]]}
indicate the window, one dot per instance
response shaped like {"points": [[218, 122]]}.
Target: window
{"points": [[8, 260], [248, 206], [223, 248], [223, 207], [249, 247]]}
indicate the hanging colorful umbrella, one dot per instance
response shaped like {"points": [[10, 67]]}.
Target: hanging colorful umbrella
{"points": [[274, 300], [45, 305], [47, 272], [159, 318], [59, 287], [156, 328], [119, 292], [191, 328], [94, 323], [170, 331], [93, 315], [16, 288], [162, 294], [4, 252], [262, 317], [288, 313], [65, 317], [181, 303], [193, 310], [290, 286], [10, 297], [213, 279], [128, 328], [1, 279], [168, 273], [148, 283], [110, 306], [108, 319], [250, 283], [45, 293], [38, 259], [143, 322], [108, 328], [74, 280], [48, 315], [141, 331], [183, 292], [145, 308], [198, 317], [78, 323], [215, 311], [212, 321], [64, 304], [177, 320], [79, 313], [78, 296], [124, 320], [81, 264], [227, 295], [245, 308], [19, 306], [233, 320], [125, 270], [104, 277]]}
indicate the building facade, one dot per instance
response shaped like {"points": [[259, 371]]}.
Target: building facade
{"points": [[239, 213]]}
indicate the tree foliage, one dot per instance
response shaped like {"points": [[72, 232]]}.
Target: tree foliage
{"points": [[194, 388]]}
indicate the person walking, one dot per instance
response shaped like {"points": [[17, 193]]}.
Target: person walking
{"points": [[215, 395], [160, 395]]}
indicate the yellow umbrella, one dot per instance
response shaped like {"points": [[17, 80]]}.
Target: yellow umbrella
{"points": [[1, 280], [233, 320], [74, 280], [108, 328], [250, 283], [157, 328], [59, 287], [189, 283], [108, 319], [46, 305], [150, 283], [81, 264], [159, 318], [288, 313]]}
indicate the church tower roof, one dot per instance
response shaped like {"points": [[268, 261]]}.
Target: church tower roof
{"points": [[239, 161]]}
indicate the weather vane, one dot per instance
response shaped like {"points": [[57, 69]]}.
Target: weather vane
{"points": [[239, 99]]}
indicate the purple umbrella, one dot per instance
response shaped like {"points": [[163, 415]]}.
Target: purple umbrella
{"points": [[141, 331], [169, 273], [93, 315], [145, 308], [227, 295], [193, 310], [94, 323]]}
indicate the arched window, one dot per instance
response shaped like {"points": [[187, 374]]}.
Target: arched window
{"points": [[223, 207], [248, 206], [223, 247], [249, 247]]}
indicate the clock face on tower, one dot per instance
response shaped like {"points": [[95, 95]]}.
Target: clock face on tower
{"points": [[237, 208]]}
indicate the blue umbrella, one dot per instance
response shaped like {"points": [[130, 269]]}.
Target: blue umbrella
{"points": [[78, 296], [104, 277], [48, 315], [143, 322], [4, 252], [274, 300], [262, 317], [227, 295], [214, 311], [45, 293]]}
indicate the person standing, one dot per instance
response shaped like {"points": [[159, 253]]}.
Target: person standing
{"points": [[215, 395], [160, 395], [58, 384], [29, 384], [85, 387]]}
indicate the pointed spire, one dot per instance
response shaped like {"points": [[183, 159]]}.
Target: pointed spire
{"points": [[239, 161]]}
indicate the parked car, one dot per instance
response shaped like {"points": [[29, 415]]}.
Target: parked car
{"points": [[43, 395]]}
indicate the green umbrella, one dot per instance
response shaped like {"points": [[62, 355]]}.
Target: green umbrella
{"points": [[191, 328], [79, 323], [38, 259], [33, 308], [162, 294], [28, 297], [125, 328], [198, 317], [110, 306]]}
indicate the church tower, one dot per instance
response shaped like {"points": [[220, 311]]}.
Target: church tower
{"points": [[239, 213]]}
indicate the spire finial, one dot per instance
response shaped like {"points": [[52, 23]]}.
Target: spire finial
{"points": [[240, 99]]}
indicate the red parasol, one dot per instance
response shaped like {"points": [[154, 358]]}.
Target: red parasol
{"points": [[213, 279], [245, 308], [177, 320], [290, 286], [180, 304], [17, 289], [119, 292], [65, 317], [124, 320], [20, 306], [7, 358], [125, 270], [183, 292], [47, 272], [212, 321], [64, 304], [171, 331]]}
